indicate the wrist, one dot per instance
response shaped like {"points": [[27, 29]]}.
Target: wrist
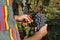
{"points": [[37, 36]]}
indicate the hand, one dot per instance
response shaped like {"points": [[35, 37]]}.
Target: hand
{"points": [[43, 30], [25, 19], [39, 35]]}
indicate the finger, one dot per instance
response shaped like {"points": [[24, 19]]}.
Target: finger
{"points": [[45, 26], [29, 19], [21, 17]]}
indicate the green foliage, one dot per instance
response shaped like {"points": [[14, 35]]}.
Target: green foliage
{"points": [[52, 13], [46, 2]]}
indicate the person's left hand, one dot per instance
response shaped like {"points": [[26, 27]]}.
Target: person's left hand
{"points": [[38, 35]]}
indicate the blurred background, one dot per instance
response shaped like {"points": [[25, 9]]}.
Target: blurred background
{"points": [[51, 10]]}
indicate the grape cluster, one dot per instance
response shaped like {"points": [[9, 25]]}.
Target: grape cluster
{"points": [[39, 20]]}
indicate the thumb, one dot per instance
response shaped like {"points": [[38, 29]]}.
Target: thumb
{"points": [[43, 28]]}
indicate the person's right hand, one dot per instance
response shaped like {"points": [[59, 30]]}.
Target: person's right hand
{"points": [[25, 19]]}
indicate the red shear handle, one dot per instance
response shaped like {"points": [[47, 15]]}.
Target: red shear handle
{"points": [[29, 19], [26, 22]]}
